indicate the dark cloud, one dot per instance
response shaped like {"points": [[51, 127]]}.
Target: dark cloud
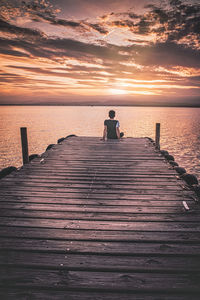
{"points": [[167, 54], [13, 53], [20, 31], [28, 48], [133, 15], [74, 72], [172, 22], [195, 78], [134, 41], [159, 54], [98, 28], [79, 25], [142, 27], [7, 74], [79, 49], [43, 11], [65, 23], [177, 21], [37, 11], [53, 20], [123, 23]]}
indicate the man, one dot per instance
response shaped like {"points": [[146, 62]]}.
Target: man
{"points": [[111, 127]]}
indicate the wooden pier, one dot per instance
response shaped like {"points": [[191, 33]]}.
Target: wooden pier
{"points": [[94, 220]]}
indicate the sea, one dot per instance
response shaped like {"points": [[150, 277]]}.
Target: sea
{"points": [[180, 129]]}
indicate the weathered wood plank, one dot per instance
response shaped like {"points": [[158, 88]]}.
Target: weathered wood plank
{"points": [[132, 169], [111, 189], [120, 181], [102, 263], [70, 174], [101, 225], [28, 293], [91, 200], [85, 185], [44, 170], [105, 160], [100, 235], [131, 209], [106, 248], [100, 216], [108, 281], [95, 198]]}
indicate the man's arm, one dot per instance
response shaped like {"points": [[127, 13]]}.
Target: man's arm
{"points": [[118, 132], [104, 132]]}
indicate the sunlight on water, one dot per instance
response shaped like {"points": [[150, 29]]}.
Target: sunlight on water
{"points": [[180, 129]]}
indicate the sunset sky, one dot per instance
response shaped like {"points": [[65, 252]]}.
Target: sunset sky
{"points": [[100, 52]]}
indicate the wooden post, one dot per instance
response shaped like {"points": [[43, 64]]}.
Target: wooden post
{"points": [[157, 135], [24, 141]]}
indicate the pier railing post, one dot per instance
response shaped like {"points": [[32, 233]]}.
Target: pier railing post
{"points": [[24, 141], [157, 136]]}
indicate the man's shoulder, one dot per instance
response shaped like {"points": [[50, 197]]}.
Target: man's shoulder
{"points": [[107, 121]]}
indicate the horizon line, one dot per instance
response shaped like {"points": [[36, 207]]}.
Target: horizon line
{"points": [[80, 104]]}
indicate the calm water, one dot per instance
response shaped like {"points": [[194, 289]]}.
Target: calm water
{"points": [[180, 129]]}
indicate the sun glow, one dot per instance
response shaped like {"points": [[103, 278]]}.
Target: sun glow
{"points": [[118, 92]]}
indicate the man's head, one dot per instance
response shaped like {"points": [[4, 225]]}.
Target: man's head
{"points": [[112, 114]]}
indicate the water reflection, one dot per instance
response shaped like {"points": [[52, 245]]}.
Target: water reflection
{"points": [[180, 128]]}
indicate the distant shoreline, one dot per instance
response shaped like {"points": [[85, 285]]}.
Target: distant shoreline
{"points": [[109, 105]]}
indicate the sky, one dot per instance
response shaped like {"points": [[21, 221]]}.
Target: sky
{"points": [[108, 52]]}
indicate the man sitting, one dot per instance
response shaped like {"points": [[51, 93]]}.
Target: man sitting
{"points": [[111, 127]]}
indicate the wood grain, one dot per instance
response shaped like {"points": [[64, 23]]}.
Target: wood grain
{"points": [[98, 220]]}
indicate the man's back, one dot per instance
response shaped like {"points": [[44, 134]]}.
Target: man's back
{"points": [[111, 128]]}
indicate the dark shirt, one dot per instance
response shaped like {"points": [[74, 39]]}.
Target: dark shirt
{"points": [[111, 128]]}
